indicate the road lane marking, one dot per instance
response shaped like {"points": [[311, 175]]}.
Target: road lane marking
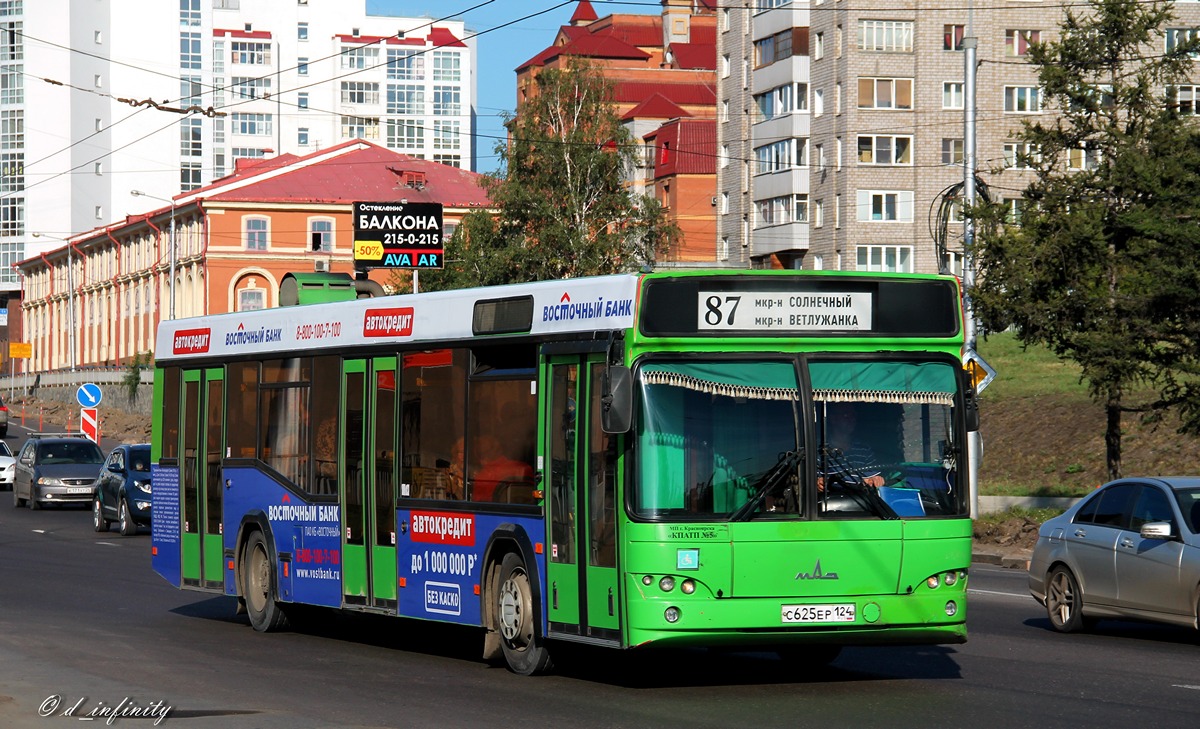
{"points": [[1023, 596], [1185, 686]]}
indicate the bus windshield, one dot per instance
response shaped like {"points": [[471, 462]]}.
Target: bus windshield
{"points": [[886, 439], [721, 440], [711, 433]]}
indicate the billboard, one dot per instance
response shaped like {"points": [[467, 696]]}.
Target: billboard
{"points": [[398, 235]]}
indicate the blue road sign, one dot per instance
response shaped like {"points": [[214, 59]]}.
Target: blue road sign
{"points": [[89, 395]]}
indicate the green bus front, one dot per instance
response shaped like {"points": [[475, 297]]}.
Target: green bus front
{"points": [[752, 519]]}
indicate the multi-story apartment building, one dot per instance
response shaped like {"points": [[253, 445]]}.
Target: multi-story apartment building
{"points": [[841, 125], [105, 97]]}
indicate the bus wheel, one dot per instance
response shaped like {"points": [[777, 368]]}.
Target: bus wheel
{"points": [[258, 586], [524, 650]]}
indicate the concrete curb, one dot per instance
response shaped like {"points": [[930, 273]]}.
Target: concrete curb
{"points": [[1012, 561]]}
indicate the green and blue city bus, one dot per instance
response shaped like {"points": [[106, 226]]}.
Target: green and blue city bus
{"points": [[628, 461]]}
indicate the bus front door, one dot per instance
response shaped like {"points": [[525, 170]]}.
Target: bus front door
{"points": [[368, 461], [202, 445], [581, 471]]}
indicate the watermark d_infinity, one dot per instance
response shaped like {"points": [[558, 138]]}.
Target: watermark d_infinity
{"points": [[126, 708]]}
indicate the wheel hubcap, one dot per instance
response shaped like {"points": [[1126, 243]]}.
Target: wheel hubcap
{"points": [[1061, 597], [512, 611], [258, 577]]}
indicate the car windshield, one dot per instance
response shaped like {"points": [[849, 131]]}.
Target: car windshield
{"points": [[4, 449], [74, 452], [1189, 504]]}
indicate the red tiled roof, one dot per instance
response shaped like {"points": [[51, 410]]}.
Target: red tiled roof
{"points": [[656, 106], [636, 30], [349, 172], [686, 147], [583, 12], [695, 55], [599, 46], [691, 94], [443, 38]]}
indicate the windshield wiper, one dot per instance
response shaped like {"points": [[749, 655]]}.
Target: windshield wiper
{"points": [[838, 469], [783, 468]]}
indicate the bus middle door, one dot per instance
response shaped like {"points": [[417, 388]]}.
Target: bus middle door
{"points": [[368, 462], [580, 484], [203, 443]]}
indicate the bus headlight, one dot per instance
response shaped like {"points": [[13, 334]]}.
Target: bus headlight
{"points": [[648, 580], [951, 609], [667, 583], [932, 583], [688, 586], [672, 614], [950, 578]]}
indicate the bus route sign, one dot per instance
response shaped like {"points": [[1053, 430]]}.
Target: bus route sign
{"points": [[398, 235]]}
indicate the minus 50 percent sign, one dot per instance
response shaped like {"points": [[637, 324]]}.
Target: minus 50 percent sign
{"points": [[368, 250]]}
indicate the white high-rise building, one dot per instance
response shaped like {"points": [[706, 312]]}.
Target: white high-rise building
{"points": [[102, 97]]}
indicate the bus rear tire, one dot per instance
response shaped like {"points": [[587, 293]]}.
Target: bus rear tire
{"points": [[258, 586], [516, 619]]}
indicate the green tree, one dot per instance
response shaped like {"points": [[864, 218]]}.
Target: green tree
{"points": [[1097, 262], [565, 208]]}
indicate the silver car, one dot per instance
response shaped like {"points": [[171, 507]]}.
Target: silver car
{"points": [[1129, 550]]}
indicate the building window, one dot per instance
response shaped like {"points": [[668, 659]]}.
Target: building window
{"points": [[1017, 42], [99, 212], [254, 233], [885, 93], [252, 299], [1020, 156], [1084, 157], [360, 92], [782, 155], [446, 134], [446, 66], [952, 151], [781, 210], [189, 137], [952, 95], [302, 66], [450, 160], [1015, 209], [358, 127], [1022, 100], [189, 51], [320, 235], [302, 100], [818, 47], [189, 175], [405, 65], [302, 137], [302, 31], [405, 99], [885, 206], [446, 101], [725, 66], [885, 35], [405, 134], [898, 259], [251, 124], [1179, 36], [358, 57], [242, 52], [884, 149], [251, 87], [952, 37]]}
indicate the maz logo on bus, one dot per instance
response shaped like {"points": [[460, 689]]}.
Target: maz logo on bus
{"points": [[396, 322], [191, 341]]}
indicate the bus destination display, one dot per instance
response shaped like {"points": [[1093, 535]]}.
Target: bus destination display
{"points": [[398, 235], [787, 310]]}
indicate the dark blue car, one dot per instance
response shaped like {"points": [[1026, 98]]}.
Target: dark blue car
{"points": [[123, 490]]}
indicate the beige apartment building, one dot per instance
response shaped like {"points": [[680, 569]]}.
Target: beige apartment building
{"points": [[855, 114]]}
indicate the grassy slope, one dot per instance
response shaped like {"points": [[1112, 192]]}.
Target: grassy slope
{"points": [[1043, 434]]}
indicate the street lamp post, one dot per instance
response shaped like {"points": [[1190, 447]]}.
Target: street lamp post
{"points": [[70, 297], [171, 283]]}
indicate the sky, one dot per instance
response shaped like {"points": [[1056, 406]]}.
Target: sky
{"points": [[501, 49]]}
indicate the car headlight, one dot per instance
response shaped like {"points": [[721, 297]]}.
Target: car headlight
{"points": [[48, 481], [143, 486]]}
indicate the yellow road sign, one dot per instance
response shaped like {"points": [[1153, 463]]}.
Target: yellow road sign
{"points": [[20, 350]]}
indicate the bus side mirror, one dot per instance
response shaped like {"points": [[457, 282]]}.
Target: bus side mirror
{"points": [[617, 400], [971, 411]]}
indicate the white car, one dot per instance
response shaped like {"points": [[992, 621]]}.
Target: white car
{"points": [[8, 467]]}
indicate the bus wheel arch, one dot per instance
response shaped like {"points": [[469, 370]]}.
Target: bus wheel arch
{"points": [[256, 567], [511, 603]]}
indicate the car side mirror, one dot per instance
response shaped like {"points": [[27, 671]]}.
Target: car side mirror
{"points": [[1157, 530]]}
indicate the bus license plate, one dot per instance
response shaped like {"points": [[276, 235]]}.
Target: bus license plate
{"points": [[840, 613], [79, 490]]}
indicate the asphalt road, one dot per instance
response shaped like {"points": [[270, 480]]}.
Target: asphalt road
{"points": [[87, 625]]}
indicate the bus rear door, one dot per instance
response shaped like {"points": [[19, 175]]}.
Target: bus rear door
{"points": [[203, 442], [580, 483]]}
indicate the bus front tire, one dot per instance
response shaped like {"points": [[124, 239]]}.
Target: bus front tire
{"points": [[258, 586], [524, 650]]}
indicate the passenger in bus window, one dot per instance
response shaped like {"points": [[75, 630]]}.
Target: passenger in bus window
{"points": [[496, 468], [845, 456], [453, 470]]}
